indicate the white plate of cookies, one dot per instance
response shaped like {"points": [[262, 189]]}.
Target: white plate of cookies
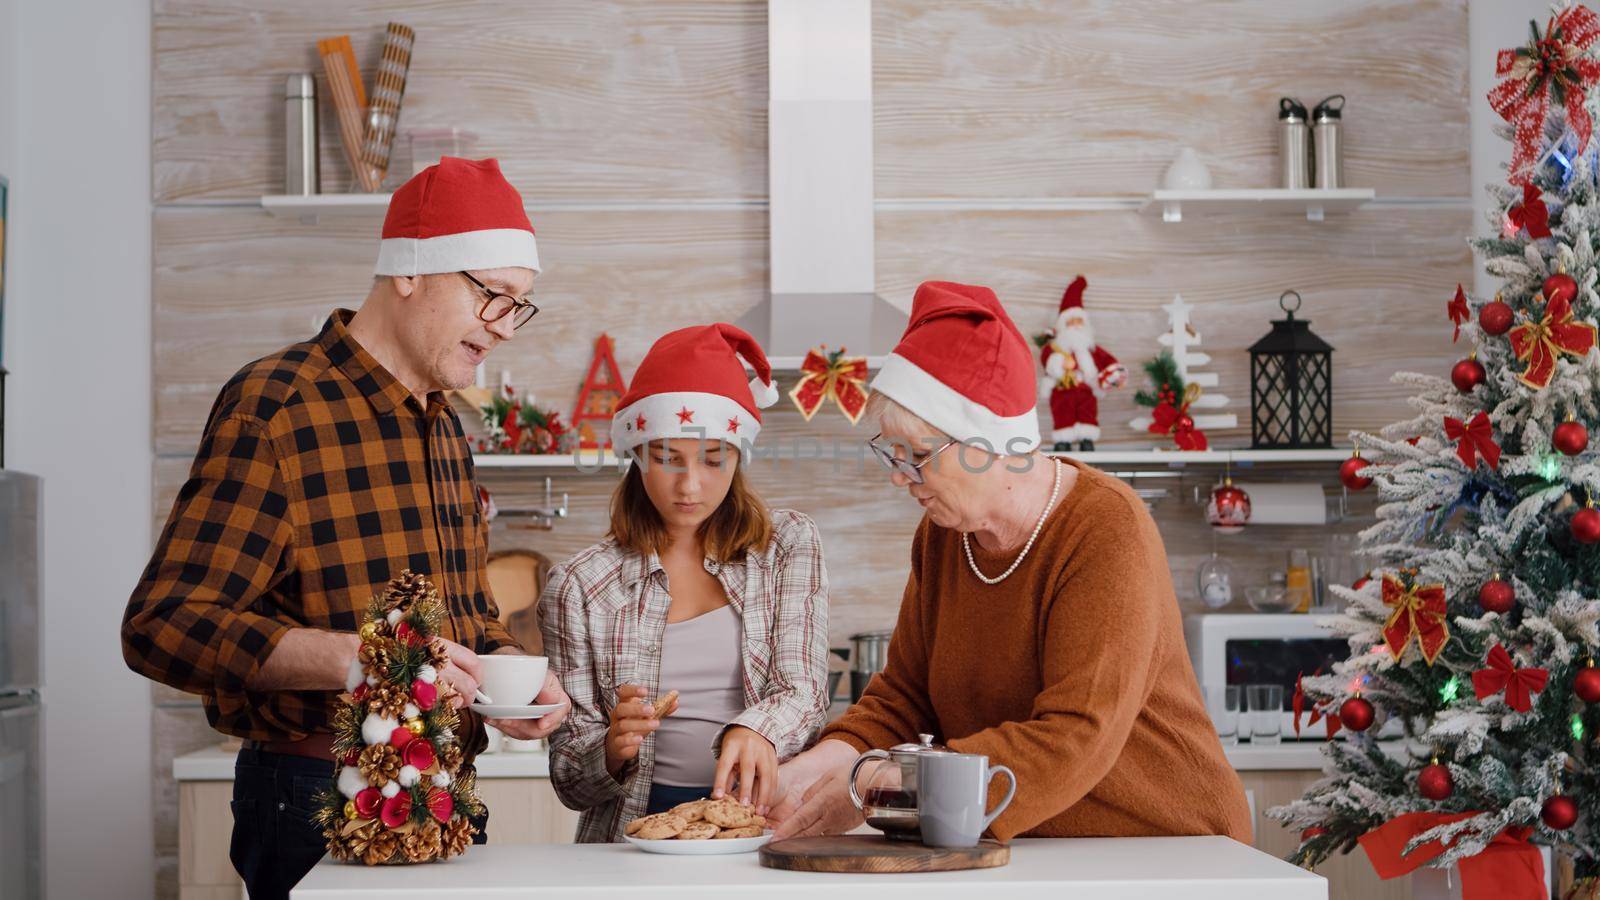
{"points": [[701, 828]]}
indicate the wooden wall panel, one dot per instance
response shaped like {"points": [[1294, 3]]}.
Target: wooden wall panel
{"points": [[1031, 99], [579, 98]]}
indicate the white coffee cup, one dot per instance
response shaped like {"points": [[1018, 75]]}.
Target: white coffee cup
{"points": [[512, 680]]}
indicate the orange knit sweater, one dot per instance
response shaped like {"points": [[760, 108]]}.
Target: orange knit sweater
{"points": [[1072, 671]]}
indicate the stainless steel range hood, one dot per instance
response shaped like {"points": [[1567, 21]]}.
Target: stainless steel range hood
{"points": [[819, 164]]}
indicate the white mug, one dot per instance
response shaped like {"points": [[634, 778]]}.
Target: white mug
{"points": [[512, 680]]}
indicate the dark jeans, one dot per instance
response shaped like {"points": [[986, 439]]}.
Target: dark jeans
{"points": [[665, 796], [274, 841]]}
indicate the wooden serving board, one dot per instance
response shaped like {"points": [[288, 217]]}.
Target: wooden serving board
{"points": [[871, 853]]}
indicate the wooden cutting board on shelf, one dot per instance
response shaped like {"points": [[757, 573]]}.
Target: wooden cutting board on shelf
{"points": [[872, 853]]}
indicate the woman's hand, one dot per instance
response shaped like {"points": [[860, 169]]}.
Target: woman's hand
{"points": [[815, 797], [632, 720], [755, 761]]}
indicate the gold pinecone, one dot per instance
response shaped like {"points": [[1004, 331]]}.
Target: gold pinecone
{"points": [[438, 656], [405, 589], [387, 701], [450, 757], [375, 657], [357, 841], [457, 836], [423, 844], [383, 845], [380, 764], [338, 847]]}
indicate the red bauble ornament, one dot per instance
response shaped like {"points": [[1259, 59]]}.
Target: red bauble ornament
{"points": [[1495, 318], [368, 800], [1586, 684], [1349, 469], [1434, 782], [441, 804], [1497, 596], [1560, 812], [1586, 525], [396, 810], [424, 694], [401, 736], [1228, 509], [1570, 438], [1356, 714], [419, 754], [1314, 831], [1467, 375], [1560, 285]]}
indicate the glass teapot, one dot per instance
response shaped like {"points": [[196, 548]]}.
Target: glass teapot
{"points": [[888, 799]]}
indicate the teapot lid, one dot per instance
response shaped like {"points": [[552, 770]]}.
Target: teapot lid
{"points": [[924, 744]]}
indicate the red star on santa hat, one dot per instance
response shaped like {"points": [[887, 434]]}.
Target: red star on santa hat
{"points": [[733, 425], [685, 415], [639, 422]]}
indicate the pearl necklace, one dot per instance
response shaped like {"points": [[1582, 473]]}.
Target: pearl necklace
{"points": [[966, 543]]}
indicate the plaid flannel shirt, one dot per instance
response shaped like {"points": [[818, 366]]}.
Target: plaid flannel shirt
{"points": [[318, 479], [604, 613]]}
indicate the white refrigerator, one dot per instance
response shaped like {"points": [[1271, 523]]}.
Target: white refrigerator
{"points": [[21, 714]]}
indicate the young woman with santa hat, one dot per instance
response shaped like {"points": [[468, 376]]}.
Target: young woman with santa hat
{"points": [[698, 593]]}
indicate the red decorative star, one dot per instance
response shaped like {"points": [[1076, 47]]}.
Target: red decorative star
{"points": [[639, 422], [733, 425], [685, 415]]}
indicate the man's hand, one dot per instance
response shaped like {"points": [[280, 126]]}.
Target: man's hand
{"points": [[814, 797], [463, 672], [544, 726], [753, 760]]}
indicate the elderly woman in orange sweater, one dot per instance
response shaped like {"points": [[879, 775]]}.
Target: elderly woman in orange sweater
{"points": [[1039, 625]]}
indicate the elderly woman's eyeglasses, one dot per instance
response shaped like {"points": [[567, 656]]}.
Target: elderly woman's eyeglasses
{"points": [[911, 470], [497, 306]]}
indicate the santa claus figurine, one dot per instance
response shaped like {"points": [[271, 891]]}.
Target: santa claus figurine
{"points": [[1078, 371]]}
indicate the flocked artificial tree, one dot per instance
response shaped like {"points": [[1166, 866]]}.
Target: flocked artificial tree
{"points": [[1475, 638]]}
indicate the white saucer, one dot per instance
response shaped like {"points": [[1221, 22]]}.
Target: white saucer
{"points": [[710, 847], [508, 711]]}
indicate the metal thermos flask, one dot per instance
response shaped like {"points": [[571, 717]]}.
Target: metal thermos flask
{"points": [[300, 135], [1294, 144]]}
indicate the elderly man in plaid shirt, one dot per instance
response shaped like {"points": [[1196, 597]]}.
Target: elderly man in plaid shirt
{"points": [[325, 470]]}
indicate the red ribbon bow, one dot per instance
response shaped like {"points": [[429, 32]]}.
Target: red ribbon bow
{"points": [[1532, 215], [1541, 343], [1333, 722], [1549, 68], [824, 375], [1418, 610], [1458, 311], [1503, 675], [1509, 868], [1175, 421], [1476, 437]]}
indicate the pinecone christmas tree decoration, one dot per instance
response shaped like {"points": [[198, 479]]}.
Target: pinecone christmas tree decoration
{"points": [[399, 796]]}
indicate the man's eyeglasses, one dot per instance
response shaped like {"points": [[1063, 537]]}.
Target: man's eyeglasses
{"points": [[911, 470], [497, 306]]}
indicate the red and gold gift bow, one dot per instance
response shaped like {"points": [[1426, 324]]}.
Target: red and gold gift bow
{"points": [[825, 375], [1503, 675], [1476, 438], [1532, 214], [1458, 311], [1549, 68], [1418, 610], [1175, 421], [1540, 343]]}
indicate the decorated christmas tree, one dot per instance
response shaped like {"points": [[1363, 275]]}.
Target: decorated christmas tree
{"points": [[400, 793], [1475, 638]]}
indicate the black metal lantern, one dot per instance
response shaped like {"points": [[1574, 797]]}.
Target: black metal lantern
{"points": [[1291, 385]]}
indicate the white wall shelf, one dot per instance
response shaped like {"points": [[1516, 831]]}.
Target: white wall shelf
{"points": [[1313, 204], [583, 460]]}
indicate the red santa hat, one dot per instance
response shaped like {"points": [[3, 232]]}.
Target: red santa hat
{"points": [[458, 215], [692, 385], [1072, 298], [964, 368]]}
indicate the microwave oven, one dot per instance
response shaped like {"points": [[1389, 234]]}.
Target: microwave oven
{"points": [[1257, 648]]}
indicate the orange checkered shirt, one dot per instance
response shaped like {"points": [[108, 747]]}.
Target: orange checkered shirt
{"points": [[318, 479]]}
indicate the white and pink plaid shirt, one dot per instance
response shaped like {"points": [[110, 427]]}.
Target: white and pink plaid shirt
{"points": [[603, 614]]}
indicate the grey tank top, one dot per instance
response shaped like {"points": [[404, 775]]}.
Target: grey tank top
{"points": [[701, 660]]}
